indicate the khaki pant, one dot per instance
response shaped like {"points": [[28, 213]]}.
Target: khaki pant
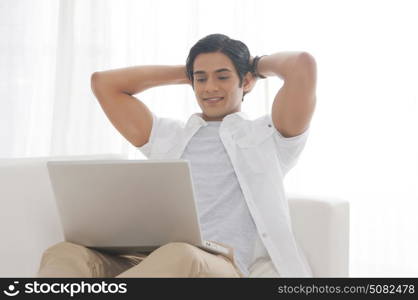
{"points": [[171, 260]]}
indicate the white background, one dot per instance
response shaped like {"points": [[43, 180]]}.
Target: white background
{"points": [[363, 145]]}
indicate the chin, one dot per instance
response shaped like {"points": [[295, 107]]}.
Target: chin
{"points": [[213, 117]]}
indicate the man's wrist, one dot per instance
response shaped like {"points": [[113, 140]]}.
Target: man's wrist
{"points": [[183, 77], [254, 67]]}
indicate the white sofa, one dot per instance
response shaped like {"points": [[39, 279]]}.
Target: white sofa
{"points": [[29, 221]]}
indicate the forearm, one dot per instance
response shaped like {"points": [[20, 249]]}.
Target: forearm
{"points": [[135, 79], [281, 64]]}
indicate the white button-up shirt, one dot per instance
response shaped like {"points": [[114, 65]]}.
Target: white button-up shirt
{"points": [[261, 157]]}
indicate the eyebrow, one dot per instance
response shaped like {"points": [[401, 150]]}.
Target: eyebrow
{"points": [[217, 71]]}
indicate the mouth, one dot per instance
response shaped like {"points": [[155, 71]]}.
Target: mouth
{"points": [[213, 100]]}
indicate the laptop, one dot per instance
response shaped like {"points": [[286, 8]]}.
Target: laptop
{"points": [[126, 206]]}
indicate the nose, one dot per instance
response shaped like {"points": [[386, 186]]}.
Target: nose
{"points": [[210, 86]]}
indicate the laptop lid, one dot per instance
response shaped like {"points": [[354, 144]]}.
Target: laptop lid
{"points": [[125, 205]]}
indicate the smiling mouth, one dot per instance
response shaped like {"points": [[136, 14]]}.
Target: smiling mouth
{"points": [[213, 100]]}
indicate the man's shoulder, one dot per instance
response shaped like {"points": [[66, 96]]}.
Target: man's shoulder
{"points": [[252, 132], [168, 123], [264, 120], [261, 125]]}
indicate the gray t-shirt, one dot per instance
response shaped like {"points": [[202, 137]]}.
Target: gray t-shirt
{"points": [[223, 212]]}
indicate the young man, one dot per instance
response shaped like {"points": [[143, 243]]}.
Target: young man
{"points": [[238, 165]]}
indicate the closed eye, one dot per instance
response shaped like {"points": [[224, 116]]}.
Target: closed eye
{"points": [[222, 78]]}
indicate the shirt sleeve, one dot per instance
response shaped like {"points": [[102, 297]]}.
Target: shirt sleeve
{"points": [[162, 136], [288, 149]]}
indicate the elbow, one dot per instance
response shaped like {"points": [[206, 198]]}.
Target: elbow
{"points": [[306, 60], [306, 65], [94, 77], [94, 80]]}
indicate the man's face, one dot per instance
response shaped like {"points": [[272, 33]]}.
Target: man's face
{"points": [[215, 76]]}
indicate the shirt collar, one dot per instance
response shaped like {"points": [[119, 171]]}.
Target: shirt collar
{"points": [[196, 119]]}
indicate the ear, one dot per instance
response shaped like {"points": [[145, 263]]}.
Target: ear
{"points": [[248, 82]]}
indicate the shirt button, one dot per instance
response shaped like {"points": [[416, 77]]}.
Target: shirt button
{"points": [[264, 235], [269, 125]]}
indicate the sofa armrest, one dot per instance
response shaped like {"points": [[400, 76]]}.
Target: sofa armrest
{"points": [[321, 228], [29, 221]]}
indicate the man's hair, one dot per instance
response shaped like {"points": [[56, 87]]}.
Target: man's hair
{"points": [[236, 50]]}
